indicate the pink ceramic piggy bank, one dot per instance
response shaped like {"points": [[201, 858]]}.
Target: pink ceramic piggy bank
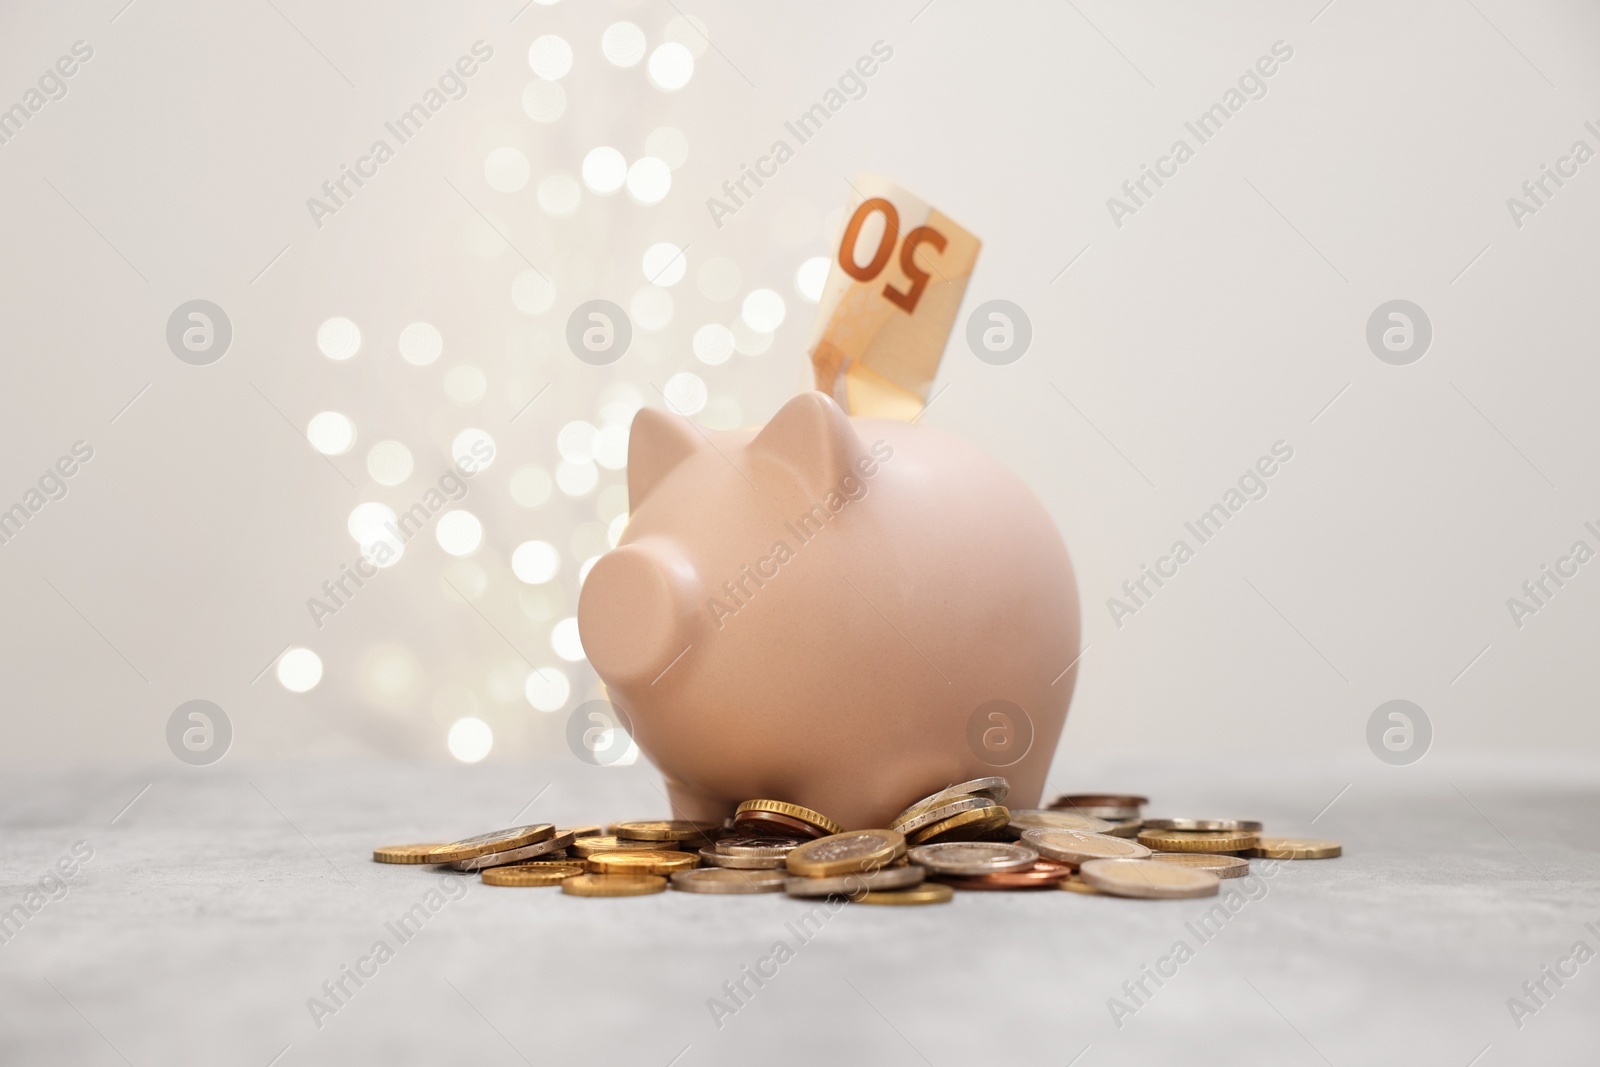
{"points": [[842, 613]]}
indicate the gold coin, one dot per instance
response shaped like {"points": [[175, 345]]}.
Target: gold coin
{"points": [[1219, 865], [926, 893], [497, 841], [613, 885], [1189, 826], [846, 853], [534, 874], [964, 827], [1076, 884], [665, 830], [1296, 848], [793, 811], [405, 854], [1179, 841], [640, 861], [586, 830], [1149, 880], [588, 846]]}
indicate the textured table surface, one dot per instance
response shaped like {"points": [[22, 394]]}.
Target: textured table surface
{"points": [[217, 904]]}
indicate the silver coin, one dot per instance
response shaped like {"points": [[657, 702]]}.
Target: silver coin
{"points": [[740, 863], [943, 811], [1128, 828], [973, 857], [527, 852], [1023, 819], [932, 800], [849, 885], [1249, 826], [853, 848], [1073, 846], [1110, 813], [994, 789], [745, 845], [728, 880]]}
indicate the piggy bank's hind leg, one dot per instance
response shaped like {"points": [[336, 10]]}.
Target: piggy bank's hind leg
{"points": [[690, 803]]}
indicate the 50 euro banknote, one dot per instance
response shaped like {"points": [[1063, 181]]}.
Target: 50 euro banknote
{"points": [[891, 297]]}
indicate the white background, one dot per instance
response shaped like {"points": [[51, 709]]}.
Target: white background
{"points": [[1223, 317]]}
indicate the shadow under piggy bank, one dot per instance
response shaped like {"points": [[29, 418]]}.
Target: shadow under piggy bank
{"points": [[842, 613]]}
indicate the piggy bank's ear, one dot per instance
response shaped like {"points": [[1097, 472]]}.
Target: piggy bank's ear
{"points": [[658, 442], [813, 439]]}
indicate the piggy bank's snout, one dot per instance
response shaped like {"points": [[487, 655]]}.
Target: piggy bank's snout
{"points": [[634, 612]]}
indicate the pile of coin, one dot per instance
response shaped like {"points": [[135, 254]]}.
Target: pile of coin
{"points": [[960, 838]]}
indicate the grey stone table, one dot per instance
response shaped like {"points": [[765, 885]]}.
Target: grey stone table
{"points": [[211, 911]]}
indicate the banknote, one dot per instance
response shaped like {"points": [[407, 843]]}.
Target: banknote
{"points": [[893, 290]]}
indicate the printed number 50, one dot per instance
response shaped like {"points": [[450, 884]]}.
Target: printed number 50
{"points": [[906, 301]]}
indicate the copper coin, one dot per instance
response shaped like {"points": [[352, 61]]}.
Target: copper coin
{"points": [[1044, 874], [1100, 800], [772, 824]]}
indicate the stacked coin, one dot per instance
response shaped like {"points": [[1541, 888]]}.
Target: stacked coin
{"points": [[988, 865], [500, 847], [960, 837], [523, 855], [738, 863], [746, 853], [584, 847], [967, 811], [777, 818], [669, 833], [1212, 836], [860, 864], [635, 857]]}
